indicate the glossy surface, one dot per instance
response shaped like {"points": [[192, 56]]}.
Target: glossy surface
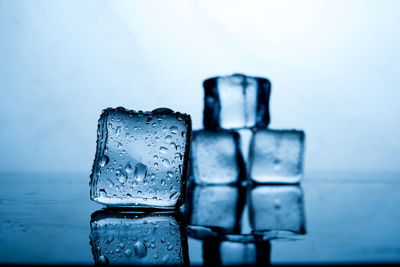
{"points": [[350, 217]]}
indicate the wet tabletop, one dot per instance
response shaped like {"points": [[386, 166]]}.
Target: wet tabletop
{"points": [[349, 217]]}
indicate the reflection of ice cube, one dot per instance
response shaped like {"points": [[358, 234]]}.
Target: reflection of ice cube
{"points": [[236, 101], [216, 157], [276, 208], [276, 156], [218, 207], [138, 238], [217, 252], [141, 158]]}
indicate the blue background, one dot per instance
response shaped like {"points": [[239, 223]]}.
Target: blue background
{"points": [[334, 68]]}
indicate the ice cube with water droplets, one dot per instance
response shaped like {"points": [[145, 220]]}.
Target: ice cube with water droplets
{"points": [[276, 156], [156, 238], [141, 158], [236, 101], [216, 158]]}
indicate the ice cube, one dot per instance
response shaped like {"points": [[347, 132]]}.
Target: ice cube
{"points": [[245, 253], [138, 238], [218, 207], [236, 101], [141, 158], [277, 208], [216, 157], [221, 252], [276, 156]]}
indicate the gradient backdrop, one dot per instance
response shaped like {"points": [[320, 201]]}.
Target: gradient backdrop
{"points": [[334, 68]]}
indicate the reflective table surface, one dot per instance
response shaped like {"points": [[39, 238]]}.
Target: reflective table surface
{"points": [[331, 218]]}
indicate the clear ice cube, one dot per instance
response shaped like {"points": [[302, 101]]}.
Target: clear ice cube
{"points": [[236, 101], [222, 252], [276, 208], [276, 156], [138, 238], [141, 158], [216, 158], [218, 207]]}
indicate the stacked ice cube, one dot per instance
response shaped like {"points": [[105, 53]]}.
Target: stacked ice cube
{"points": [[244, 176], [231, 104]]}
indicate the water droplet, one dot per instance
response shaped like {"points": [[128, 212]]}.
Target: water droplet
{"points": [[170, 247], [140, 249], [162, 182], [155, 256], [173, 145], [103, 259], [168, 138], [118, 130], [128, 167], [163, 240], [162, 111], [128, 253], [170, 174], [163, 149], [166, 163], [173, 195], [109, 239], [173, 129], [139, 193], [122, 245], [144, 222], [179, 117], [140, 171], [165, 259], [119, 145], [122, 178], [148, 120], [102, 193], [103, 161]]}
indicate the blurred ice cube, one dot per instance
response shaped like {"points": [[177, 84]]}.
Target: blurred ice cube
{"points": [[236, 101], [141, 158], [276, 208], [221, 252], [138, 238], [218, 207], [216, 157], [276, 156]]}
